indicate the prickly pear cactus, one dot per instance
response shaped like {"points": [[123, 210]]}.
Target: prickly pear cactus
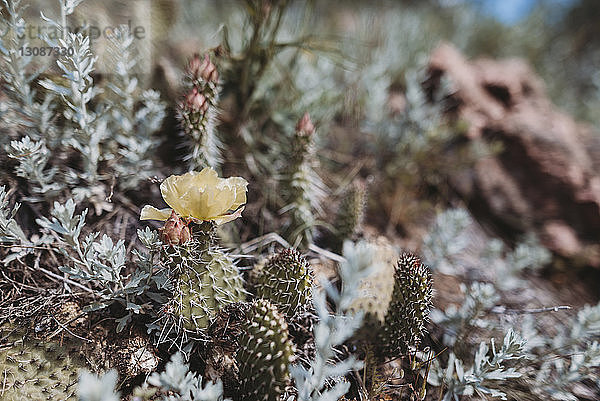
{"points": [[285, 280], [408, 312], [33, 370], [350, 213], [265, 353], [204, 286]]}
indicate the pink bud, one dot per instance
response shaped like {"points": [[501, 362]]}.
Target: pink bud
{"points": [[175, 231], [196, 101], [203, 69], [305, 126]]}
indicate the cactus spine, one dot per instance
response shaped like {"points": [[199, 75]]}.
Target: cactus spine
{"points": [[285, 280], [265, 353], [198, 113]]}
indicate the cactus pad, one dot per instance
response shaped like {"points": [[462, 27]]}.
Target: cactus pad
{"points": [[265, 353], [376, 290], [203, 287], [36, 371], [350, 213], [285, 280], [409, 310]]}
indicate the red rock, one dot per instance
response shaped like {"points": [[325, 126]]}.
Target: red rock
{"points": [[547, 177]]}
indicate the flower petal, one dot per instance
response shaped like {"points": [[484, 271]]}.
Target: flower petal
{"points": [[241, 187], [152, 213], [226, 218], [204, 196], [173, 192]]}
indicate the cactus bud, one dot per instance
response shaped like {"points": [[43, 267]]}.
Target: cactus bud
{"points": [[203, 68], [285, 280], [265, 353], [305, 126], [198, 112], [175, 231], [196, 101]]}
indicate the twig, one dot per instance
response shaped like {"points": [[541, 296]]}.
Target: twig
{"points": [[326, 253], [503, 311], [68, 331], [263, 240], [23, 246], [49, 273]]}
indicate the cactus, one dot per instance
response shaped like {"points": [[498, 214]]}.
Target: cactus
{"points": [[408, 312], [204, 286], [285, 280], [205, 280], [198, 113], [265, 353], [33, 370], [396, 299], [303, 190], [350, 215]]}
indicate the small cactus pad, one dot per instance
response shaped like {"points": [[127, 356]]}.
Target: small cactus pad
{"points": [[265, 353], [36, 371], [409, 310], [350, 213], [285, 280]]}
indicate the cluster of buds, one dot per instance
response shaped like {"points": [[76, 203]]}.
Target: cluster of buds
{"points": [[203, 69], [198, 111], [175, 231], [196, 101]]}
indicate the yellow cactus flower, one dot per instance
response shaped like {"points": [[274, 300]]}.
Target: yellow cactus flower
{"points": [[200, 196]]}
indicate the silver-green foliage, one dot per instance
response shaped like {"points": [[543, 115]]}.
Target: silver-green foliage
{"points": [[485, 375], [98, 388], [23, 110], [334, 329], [135, 114], [10, 231], [571, 357], [33, 157], [12, 234], [453, 245], [77, 91], [100, 262], [186, 385], [479, 299], [114, 126]]}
